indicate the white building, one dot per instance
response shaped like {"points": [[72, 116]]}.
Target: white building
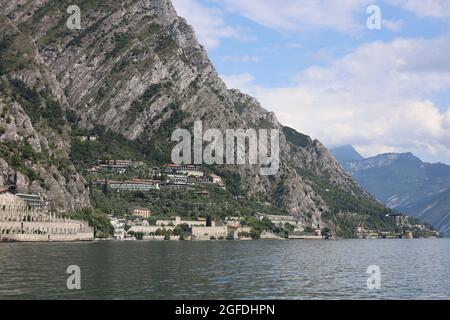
{"points": [[176, 221], [206, 233], [278, 219]]}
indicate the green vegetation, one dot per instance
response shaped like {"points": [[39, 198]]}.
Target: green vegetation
{"points": [[347, 210], [96, 219], [188, 204], [165, 45], [159, 147], [121, 41], [17, 155], [15, 50], [109, 146], [139, 105], [296, 138], [38, 105]]}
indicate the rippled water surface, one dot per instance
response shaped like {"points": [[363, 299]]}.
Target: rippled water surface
{"points": [[411, 269]]}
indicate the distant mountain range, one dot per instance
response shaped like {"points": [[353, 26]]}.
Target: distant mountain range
{"points": [[403, 182]]}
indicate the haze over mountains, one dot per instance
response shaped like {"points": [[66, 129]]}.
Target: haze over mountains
{"points": [[403, 182]]}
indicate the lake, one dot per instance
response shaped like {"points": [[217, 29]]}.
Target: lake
{"points": [[410, 269]]}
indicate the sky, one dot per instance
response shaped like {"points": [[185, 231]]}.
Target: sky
{"points": [[325, 73]]}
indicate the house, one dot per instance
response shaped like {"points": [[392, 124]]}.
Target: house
{"points": [[119, 166], [189, 170], [408, 235], [88, 138], [33, 200], [215, 179], [143, 213], [278, 219], [399, 219], [176, 221], [195, 179], [133, 185]]}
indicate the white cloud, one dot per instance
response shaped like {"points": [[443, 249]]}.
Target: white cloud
{"points": [[393, 25], [302, 15], [243, 81], [373, 98], [241, 58], [208, 22]]}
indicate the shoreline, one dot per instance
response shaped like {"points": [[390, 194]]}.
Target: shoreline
{"points": [[198, 241]]}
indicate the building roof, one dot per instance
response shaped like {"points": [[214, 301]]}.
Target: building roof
{"points": [[5, 190]]}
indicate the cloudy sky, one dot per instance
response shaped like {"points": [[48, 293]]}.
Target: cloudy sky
{"points": [[319, 67]]}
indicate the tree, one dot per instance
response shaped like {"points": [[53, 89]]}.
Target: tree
{"points": [[326, 232]]}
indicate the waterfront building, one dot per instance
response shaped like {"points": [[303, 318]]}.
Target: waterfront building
{"points": [[176, 221], [239, 233], [269, 235], [400, 219], [232, 222], [206, 233], [20, 222], [148, 230], [408, 235], [33, 200], [143, 213]]}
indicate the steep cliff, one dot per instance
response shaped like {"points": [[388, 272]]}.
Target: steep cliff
{"points": [[137, 69]]}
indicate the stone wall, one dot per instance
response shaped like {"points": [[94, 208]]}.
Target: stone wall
{"points": [[205, 233], [47, 237], [18, 222]]}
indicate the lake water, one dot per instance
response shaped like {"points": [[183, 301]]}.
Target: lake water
{"points": [[410, 269]]}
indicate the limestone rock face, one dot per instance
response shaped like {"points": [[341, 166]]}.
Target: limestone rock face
{"points": [[60, 190], [132, 67]]}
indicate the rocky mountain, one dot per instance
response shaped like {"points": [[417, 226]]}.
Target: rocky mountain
{"points": [[405, 183], [346, 153], [435, 210], [136, 69]]}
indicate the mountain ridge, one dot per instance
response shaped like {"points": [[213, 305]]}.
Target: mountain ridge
{"points": [[405, 183]]}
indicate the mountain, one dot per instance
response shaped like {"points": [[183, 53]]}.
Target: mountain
{"points": [[131, 75], [405, 183], [434, 210], [346, 153]]}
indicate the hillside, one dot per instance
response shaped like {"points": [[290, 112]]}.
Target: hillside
{"points": [[132, 74], [405, 183]]}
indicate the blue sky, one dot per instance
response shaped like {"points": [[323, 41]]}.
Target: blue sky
{"points": [[323, 72]]}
